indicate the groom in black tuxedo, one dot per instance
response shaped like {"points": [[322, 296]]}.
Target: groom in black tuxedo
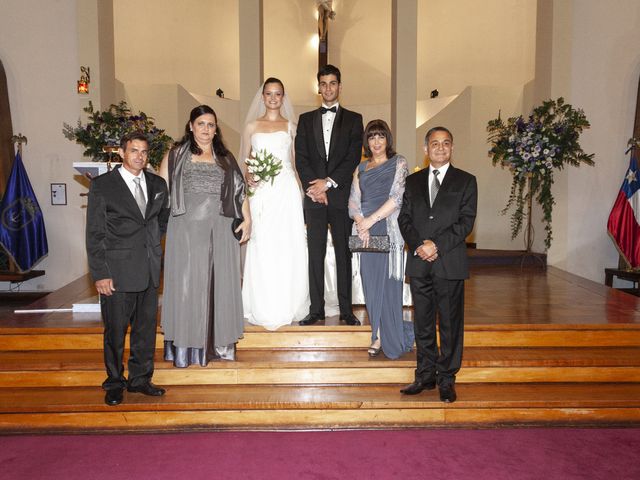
{"points": [[328, 150], [126, 213], [437, 214]]}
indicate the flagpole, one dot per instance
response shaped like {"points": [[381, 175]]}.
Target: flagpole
{"points": [[624, 263], [19, 140], [22, 231]]}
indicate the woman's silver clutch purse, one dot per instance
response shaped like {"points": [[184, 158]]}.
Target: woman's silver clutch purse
{"points": [[377, 244]]}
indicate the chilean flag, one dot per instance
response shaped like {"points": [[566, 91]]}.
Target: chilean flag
{"points": [[624, 219]]}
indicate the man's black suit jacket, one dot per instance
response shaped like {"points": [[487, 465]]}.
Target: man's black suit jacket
{"points": [[121, 243], [447, 223], [345, 152]]}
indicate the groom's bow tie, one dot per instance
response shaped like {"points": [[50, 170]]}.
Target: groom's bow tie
{"points": [[325, 110]]}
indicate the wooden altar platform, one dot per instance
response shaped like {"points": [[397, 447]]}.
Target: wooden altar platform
{"points": [[541, 348]]}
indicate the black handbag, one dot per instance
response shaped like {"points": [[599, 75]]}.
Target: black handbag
{"points": [[235, 224], [377, 244]]}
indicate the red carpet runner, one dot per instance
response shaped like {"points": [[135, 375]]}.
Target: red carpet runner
{"points": [[541, 453]]}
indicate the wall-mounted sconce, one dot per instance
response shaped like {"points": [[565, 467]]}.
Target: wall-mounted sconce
{"points": [[85, 80], [220, 93]]}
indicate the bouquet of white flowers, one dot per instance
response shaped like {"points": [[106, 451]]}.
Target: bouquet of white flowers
{"points": [[263, 166]]}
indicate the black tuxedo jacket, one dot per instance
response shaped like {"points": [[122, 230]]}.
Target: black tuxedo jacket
{"points": [[121, 243], [345, 152], [447, 223]]}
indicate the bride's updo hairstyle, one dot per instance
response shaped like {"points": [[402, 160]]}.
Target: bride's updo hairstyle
{"points": [[219, 148], [273, 80]]}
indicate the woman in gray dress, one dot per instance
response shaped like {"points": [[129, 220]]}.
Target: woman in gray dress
{"points": [[374, 204], [202, 315]]}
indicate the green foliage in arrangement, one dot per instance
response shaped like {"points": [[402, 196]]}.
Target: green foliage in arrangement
{"points": [[105, 129], [532, 149]]}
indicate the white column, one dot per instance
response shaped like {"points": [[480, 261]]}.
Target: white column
{"points": [[554, 31], [251, 56], [404, 37]]}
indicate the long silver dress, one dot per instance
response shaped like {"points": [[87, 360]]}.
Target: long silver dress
{"points": [[383, 273], [202, 315]]}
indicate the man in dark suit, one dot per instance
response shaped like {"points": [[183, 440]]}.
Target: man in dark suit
{"points": [[126, 213], [437, 214], [328, 150]]}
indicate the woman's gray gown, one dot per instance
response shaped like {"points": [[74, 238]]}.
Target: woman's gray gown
{"points": [[202, 263], [381, 282]]}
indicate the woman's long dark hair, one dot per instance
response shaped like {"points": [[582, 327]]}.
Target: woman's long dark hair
{"points": [[219, 148]]}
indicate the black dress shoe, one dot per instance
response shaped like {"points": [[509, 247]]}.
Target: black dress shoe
{"points": [[113, 397], [350, 319], [417, 386], [311, 319], [448, 393], [147, 389]]}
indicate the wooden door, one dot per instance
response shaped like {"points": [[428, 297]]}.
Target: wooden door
{"points": [[6, 132]]}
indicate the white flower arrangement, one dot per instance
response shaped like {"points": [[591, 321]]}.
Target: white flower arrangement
{"points": [[264, 166]]}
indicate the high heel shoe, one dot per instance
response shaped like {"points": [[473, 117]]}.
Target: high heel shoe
{"points": [[373, 351], [226, 352]]}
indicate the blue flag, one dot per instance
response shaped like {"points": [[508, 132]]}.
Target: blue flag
{"points": [[22, 232]]}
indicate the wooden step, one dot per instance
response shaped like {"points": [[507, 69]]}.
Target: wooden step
{"points": [[341, 367], [541, 348], [277, 407], [316, 337]]}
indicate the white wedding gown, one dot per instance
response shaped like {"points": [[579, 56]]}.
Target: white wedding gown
{"points": [[275, 289]]}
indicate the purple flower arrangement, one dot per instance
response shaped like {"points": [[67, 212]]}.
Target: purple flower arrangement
{"points": [[104, 130], [531, 149]]}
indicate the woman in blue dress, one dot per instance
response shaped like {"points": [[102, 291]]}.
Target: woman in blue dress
{"points": [[374, 204]]}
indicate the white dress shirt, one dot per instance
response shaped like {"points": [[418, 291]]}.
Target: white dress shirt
{"points": [[442, 172], [328, 120], [128, 179]]}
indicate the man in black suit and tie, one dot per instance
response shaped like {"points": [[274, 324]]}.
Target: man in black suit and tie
{"points": [[328, 150], [437, 214], [126, 213]]}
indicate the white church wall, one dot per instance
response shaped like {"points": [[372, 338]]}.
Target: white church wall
{"points": [[292, 56], [39, 50], [193, 43], [159, 102], [605, 71], [360, 45], [468, 42]]}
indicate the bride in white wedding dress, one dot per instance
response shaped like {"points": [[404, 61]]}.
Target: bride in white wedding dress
{"points": [[275, 290]]}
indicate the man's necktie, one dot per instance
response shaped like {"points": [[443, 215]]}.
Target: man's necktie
{"points": [[139, 196], [324, 110], [435, 186]]}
